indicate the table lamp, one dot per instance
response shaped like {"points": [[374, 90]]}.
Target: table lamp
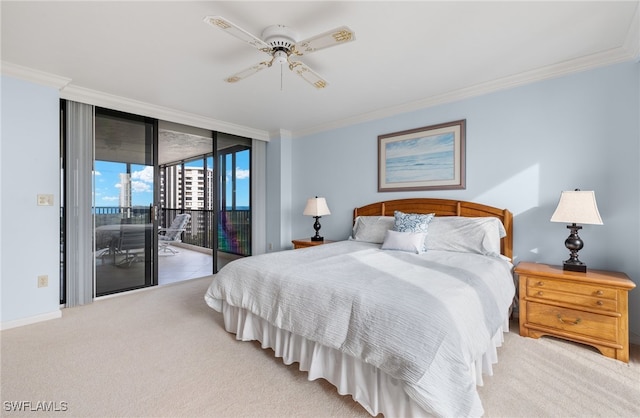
{"points": [[576, 207], [316, 207]]}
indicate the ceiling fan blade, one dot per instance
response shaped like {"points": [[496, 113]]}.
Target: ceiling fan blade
{"points": [[247, 72], [324, 40], [235, 30], [308, 74]]}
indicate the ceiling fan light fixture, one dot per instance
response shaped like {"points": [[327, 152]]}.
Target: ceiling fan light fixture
{"points": [[280, 57]]}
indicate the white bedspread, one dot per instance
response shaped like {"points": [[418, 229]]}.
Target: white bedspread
{"points": [[423, 319]]}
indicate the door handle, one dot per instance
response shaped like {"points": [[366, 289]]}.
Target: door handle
{"points": [[153, 213]]}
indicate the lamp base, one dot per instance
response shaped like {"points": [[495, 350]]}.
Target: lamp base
{"points": [[316, 226], [574, 244], [572, 266]]}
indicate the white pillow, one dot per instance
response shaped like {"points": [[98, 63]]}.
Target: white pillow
{"points": [[412, 242], [469, 235], [412, 222], [371, 228]]}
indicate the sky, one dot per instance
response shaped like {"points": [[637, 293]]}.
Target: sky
{"points": [[107, 182]]}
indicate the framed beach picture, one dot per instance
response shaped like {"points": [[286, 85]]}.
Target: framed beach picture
{"points": [[429, 158]]}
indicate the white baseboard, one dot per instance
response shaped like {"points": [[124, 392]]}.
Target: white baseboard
{"points": [[31, 320]]}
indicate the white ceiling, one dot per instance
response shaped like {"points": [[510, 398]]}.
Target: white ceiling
{"points": [[407, 55]]}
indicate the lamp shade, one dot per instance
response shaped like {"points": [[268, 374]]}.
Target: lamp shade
{"points": [[316, 206], [577, 207]]}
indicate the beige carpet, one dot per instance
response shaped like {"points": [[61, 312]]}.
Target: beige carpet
{"points": [[163, 352]]}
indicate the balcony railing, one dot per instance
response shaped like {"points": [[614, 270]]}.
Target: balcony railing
{"points": [[234, 226], [234, 229]]}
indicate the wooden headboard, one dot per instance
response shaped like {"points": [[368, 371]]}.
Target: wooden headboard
{"points": [[443, 207]]}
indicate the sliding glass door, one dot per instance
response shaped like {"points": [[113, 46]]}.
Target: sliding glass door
{"points": [[209, 180], [124, 202], [138, 173], [233, 202]]}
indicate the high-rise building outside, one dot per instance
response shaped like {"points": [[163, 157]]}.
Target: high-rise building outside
{"points": [[125, 190], [172, 188]]}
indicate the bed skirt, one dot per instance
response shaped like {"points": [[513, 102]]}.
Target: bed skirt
{"points": [[375, 390]]}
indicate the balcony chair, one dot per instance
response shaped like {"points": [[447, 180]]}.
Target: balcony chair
{"points": [[173, 233], [132, 243]]}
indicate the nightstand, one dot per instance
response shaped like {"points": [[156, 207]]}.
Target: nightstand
{"points": [[306, 242], [589, 308]]}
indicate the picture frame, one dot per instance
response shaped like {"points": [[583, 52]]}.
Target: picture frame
{"points": [[427, 158]]}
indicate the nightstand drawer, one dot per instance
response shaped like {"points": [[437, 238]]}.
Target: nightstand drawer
{"points": [[573, 321], [539, 283], [609, 305]]}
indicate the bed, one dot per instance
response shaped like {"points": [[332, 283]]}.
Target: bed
{"points": [[405, 316]]}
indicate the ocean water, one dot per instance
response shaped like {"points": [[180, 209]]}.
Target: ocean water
{"points": [[420, 167]]}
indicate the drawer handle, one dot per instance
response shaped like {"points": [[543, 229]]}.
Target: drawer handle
{"points": [[540, 283], [599, 303], [540, 293], [576, 322], [599, 293]]}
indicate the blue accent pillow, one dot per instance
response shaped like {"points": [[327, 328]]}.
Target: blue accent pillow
{"points": [[412, 222]]}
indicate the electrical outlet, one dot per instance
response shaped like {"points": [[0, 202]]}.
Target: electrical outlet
{"points": [[43, 281]]}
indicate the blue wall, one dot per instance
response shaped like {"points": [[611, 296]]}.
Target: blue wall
{"points": [[525, 146], [30, 234]]}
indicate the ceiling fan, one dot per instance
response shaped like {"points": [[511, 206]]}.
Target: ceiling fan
{"points": [[280, 43]]}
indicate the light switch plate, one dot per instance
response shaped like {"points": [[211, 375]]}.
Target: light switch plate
{"points": [[45, 200]]}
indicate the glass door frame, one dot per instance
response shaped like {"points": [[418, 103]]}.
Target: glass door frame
{"points": [[151, 239], [232, 222]]}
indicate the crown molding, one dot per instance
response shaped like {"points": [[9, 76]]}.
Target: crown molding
{"points": [[280, 134], [632, 43], [613, 56], [10, 69], [96, 98]]}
